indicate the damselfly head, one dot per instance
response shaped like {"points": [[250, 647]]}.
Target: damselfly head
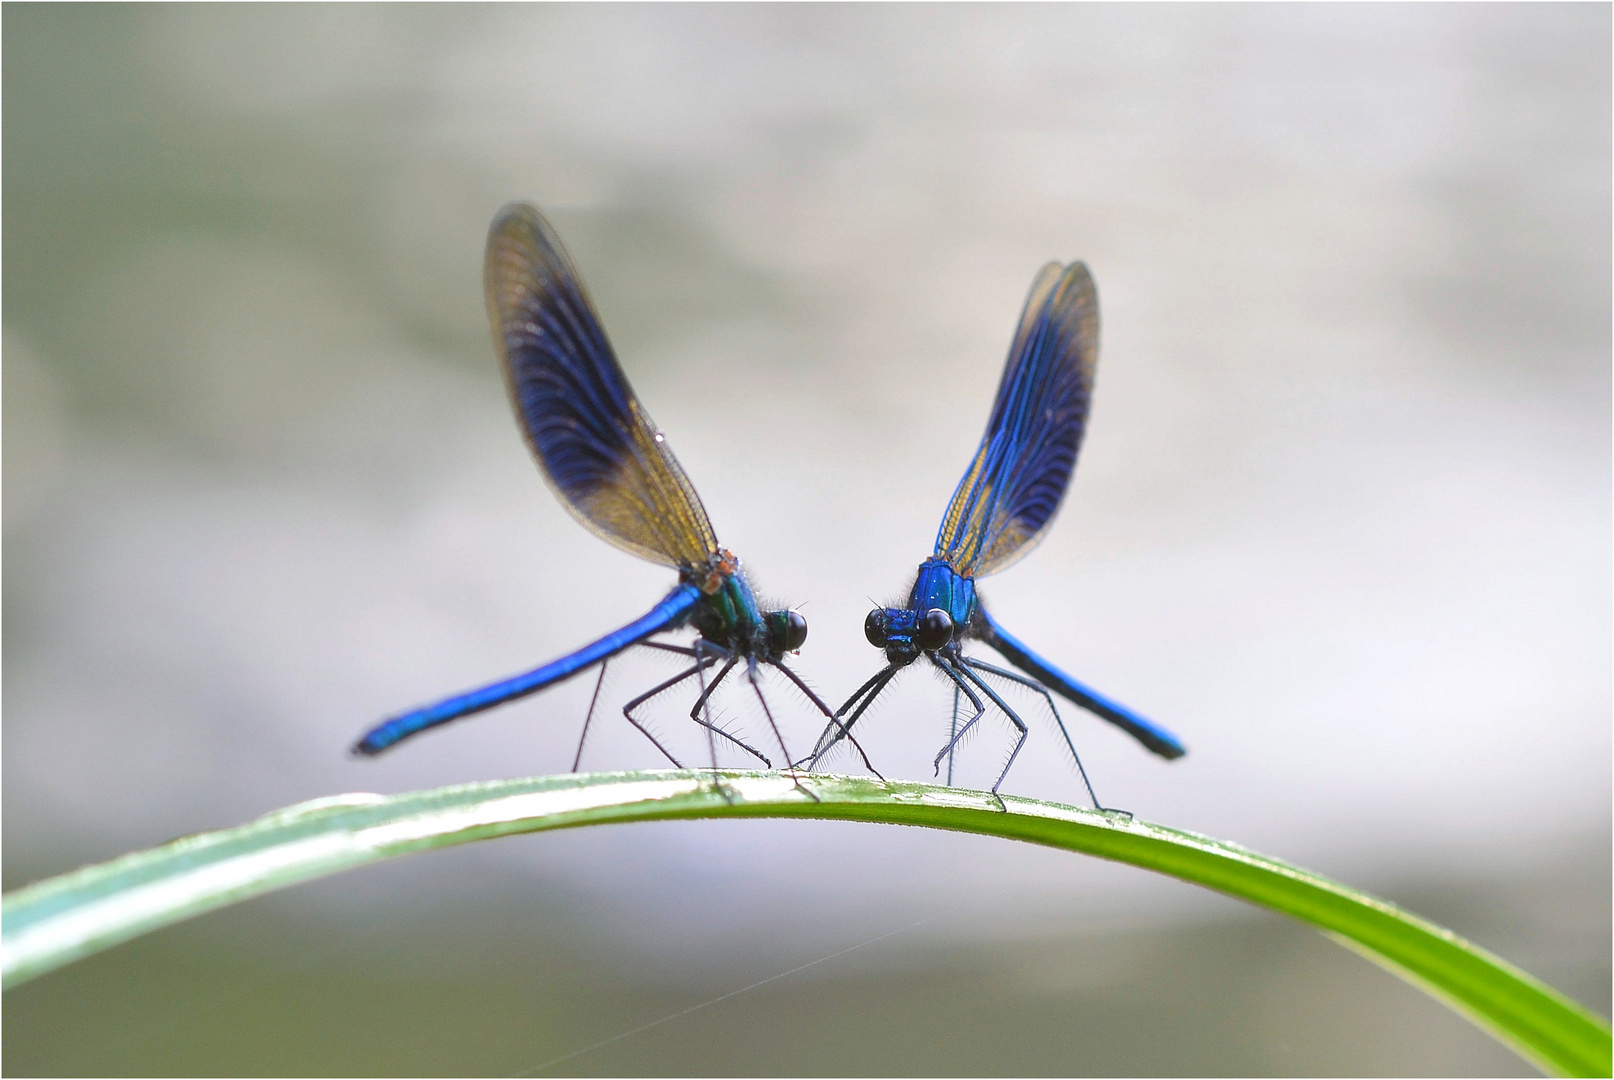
{"points": [[903, 634], [787, 631]]}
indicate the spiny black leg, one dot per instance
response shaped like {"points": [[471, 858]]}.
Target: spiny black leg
{"points": [[821, 747], [681, 650], [951, 733], [833, 719], [1014, 718], [627, 710], [705, 696], [980, 710], [1016, 677], [593, 701], [714, 729], [871, 688], [878, 677], [756, 687], [702, 646]]}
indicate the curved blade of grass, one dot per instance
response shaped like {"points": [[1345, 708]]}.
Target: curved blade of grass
{"points": [[54, 922]]}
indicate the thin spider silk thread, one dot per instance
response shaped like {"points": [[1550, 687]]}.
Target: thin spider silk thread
{"points": [[720, 998]]}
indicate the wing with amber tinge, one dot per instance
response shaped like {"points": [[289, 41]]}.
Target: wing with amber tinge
{"points": [[1015, 483], [598, 448]]}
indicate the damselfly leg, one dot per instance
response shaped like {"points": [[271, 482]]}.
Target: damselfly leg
{"points": [[838, 729], [943, 664], [588, 717], [704, 659], [1033, 684]]}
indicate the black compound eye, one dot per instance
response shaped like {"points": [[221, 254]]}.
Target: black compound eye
{"points": [[795, 631], [874, 628], [934, 630]]}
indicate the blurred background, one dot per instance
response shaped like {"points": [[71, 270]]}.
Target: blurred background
{"points": [[1342, 518]]}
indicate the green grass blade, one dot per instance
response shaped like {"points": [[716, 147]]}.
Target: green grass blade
{"points": [[54, 922]]}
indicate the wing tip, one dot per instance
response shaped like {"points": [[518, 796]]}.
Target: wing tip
{"points": [[516, 208]]}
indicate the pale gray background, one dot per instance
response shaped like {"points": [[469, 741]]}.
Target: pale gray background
{"points": [[1342, 518]]}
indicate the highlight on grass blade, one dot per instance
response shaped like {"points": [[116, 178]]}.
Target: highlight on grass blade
{"points": [[55, 922]]}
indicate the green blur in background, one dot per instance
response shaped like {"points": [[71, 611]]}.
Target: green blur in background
{"points": [[1342, 519]]}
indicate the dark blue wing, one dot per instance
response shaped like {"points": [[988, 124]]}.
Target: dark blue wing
{"points": [[1013, 487], [595, 443]]}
